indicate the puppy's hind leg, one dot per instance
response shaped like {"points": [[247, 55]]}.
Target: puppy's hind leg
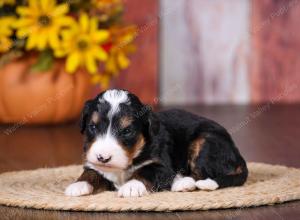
{"points": [[207, 184], [195, 150], [196, 167], [183, 184], [216, 163]]}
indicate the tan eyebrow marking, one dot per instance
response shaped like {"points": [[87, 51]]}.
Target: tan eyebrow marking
{"points": [[95, 117], [125, 121]]}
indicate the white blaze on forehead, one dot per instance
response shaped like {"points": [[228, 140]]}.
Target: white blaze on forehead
{"points": [[115, 97], [106, 144]]}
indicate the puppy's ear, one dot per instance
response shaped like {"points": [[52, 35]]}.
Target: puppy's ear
{"points": [[86, 111], [152, 122]]}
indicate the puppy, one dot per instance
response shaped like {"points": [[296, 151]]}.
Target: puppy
{"points": [[135, 151]]}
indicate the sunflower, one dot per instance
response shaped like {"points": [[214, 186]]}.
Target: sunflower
{"points": [[103, 79], [118, 47], [105, 4], [121, 46], [5, 33], [107, 8], [41, 22], [7, 2], [82, 45]]}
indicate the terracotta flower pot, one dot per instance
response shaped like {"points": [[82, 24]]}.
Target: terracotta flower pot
{"points": [[28, 97]]}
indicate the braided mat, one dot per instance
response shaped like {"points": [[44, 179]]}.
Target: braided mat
{"points": [[44, 189]]}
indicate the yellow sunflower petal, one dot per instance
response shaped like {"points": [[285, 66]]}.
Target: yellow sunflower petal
{"points": [[24, 11], [72, 62], [93, 25], [100, 54], [5, 30], [60, 10], [34, 4], [111, 65], [24, 22], [42, 41], [31, 41], [104, 81], [67, 34], [5, 44], [90, 63], [84, 22], [23, 32], [65, 21], [54, 40], [95, 78], [59, 52], [100, 36], [123, 61], [47, 5]]}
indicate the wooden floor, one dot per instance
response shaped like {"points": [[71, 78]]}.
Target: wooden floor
{"points": [[265, 133]]}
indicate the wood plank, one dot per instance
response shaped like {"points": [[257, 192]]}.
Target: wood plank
{"points": [[276, 42], [205, 51]]}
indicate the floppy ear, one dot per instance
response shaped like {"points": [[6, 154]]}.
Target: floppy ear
{"points": [[86, 111], [152, 122]]}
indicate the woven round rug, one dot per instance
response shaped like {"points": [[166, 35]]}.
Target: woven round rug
{"points": [[44, 189]]}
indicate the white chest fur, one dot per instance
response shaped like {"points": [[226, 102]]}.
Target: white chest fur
{"points": [[118, 177]]}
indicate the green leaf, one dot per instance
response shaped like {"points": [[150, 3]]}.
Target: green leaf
{"points": [[9, 56], [44, 61]]}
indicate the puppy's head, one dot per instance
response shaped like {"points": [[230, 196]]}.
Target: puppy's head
{"points": [[117, 126]]}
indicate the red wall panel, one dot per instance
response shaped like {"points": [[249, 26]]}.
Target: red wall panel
{"points": [[142, 76], [275, 51]]}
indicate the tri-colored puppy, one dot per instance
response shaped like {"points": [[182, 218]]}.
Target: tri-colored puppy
{"points": [[135, 151]]}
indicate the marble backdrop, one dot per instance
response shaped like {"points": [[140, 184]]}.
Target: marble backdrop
{"points": [[233, 51]]}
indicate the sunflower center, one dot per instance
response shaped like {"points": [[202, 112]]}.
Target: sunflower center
{"points": [[82, 45], [44, 20]]}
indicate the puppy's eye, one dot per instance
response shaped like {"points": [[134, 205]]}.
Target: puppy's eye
{"points": [[92, 127], [126, 131]]}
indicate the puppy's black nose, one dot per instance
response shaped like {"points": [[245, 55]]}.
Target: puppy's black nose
{"points": [[101, 159]]}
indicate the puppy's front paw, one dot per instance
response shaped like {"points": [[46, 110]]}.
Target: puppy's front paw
{"points": [[79, 189], [132, 188]]}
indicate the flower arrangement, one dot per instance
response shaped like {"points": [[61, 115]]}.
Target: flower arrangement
{"points": [[87, 34]]}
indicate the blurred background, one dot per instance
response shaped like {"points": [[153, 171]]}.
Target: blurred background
{"points": [[235, 61], [219, 52], [216, 52], [236, 51]]}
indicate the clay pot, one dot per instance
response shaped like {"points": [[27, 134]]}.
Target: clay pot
{"points": [[49, 97]]}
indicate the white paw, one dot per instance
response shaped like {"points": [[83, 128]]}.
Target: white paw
{"points": [[207, 184], [132, 188], [183, 184], [79, 188]]}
